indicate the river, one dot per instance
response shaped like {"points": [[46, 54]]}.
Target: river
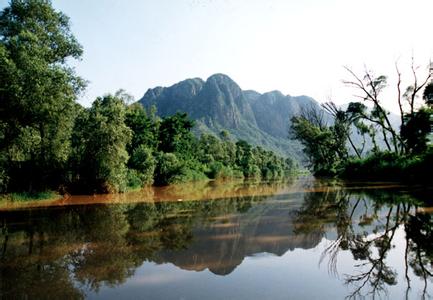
{"points": [[300, 239]]}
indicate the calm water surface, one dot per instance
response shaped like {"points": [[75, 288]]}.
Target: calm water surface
{"points": [[304, 239]]}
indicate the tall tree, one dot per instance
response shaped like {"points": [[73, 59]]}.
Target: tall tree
{"points": [[324, 145], [101, 137], [371, 88], [37, 91]]}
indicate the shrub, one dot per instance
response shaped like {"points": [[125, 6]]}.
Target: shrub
{"points": [[167, 167], [143, 162], [390, 166]]}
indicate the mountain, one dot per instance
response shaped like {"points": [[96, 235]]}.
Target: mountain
{"points": [[273, 111], [220, 104]]}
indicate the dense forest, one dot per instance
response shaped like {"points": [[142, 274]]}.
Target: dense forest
{"points": [[50, 142], [407, 152]]}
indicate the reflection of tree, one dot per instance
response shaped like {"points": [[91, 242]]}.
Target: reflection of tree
{"points": [[30, 268], [105, 256], [360, 229], [419, 230], [377, 273], [68, 251], [50, 250]]}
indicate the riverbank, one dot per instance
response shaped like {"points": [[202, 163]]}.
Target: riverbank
{"points": [[192, 191], [207, 190], [390, 166], [26, 196]]}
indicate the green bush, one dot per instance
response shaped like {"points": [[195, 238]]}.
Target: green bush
{"points": [[167, 167], [143, 162], [134, 179], [185, 175], [390, 166], [252, 171], [218, 170]]}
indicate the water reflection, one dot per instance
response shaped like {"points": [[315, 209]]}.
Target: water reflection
{"points": [[366, 224], [87, 250]]}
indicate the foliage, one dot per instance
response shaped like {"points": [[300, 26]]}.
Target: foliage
{"points": [[391, 166], [101, 137], [167, 167], [26, 196], [415, 129], [406, 150], [144, 126], [324, 145], [37, 93], [175, 134], [143, 162], [428, 94]]}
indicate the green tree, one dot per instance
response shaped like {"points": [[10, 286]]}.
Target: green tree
{"points": [[246, 160], [37, 92], [324, 145], [103, 136], [371, 88], [175, 134], [428, 94], [144, 127], [167, 167], [415, 129], [143, 162]]}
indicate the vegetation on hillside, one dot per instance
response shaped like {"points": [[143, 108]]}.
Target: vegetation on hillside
{"points": [[220, 104], [48, 141], [407, 154]]}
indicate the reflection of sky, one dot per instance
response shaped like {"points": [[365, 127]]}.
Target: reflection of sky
{"points": [[295, 275]]}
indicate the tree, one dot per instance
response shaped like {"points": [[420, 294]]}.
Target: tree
{"points": [[175, 134], [342, 125], [371, 87], [415, 130], [144, 127], [324, 145], [143, 163], [102, 137], [428, 98], [37, 92], [428, 94], [245, 159], [167, 167]]}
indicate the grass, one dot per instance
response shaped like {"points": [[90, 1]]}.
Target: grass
{"points": [[29, 196]]}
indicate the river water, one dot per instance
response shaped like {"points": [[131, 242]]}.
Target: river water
{"points": [[301, 239]]}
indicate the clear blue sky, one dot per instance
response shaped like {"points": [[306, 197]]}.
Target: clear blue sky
{"points": [[298, 47]]}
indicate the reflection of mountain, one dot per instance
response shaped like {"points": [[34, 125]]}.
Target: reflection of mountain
{"points": [[80, 249], [222, 244]]}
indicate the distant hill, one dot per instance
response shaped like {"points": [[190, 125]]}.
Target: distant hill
{"points": [[219, 103]]}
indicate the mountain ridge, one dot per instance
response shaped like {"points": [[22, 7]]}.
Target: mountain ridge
{"points": [[220, 104]]}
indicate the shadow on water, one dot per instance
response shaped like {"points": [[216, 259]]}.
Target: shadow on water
{"points": [[75, 251]]}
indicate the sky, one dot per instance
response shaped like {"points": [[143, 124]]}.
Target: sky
{"points": [[297, 47]]}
